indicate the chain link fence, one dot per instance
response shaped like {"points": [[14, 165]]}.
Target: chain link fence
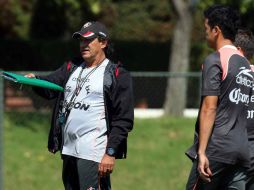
{"points": [[149, 92], [150, 88]]}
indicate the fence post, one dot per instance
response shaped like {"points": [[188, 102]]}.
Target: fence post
{"points": [[1, 130]]}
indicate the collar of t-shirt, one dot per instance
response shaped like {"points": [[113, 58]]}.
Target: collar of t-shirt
{"points": [[228, 46]]}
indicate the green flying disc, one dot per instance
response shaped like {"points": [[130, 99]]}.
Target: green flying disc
{"points": [[31, 81]]}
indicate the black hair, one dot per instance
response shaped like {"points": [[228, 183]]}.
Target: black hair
{"points": [[226, 18], [244, 39], [109, 50]]}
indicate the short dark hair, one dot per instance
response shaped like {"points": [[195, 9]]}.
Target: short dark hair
{"points": [[226, 18], [245, 40]]}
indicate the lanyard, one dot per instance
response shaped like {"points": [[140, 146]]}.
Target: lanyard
{"points": [[79, 86], [80, 83]]}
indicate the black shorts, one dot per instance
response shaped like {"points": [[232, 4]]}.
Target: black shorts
{"points": [[80, 174]]}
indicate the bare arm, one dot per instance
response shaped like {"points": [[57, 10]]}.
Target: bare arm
{"points": [[207, 117]]}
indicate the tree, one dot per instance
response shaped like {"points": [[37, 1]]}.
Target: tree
{"points": [[175, 101], [15, 16], [136, 20]]}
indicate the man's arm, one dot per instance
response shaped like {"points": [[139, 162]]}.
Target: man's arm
{"points": [[121, 120], [207, 117], [56, 77], [122, 111]]}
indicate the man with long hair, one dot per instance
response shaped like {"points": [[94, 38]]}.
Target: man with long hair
{"points": [[92, 117]]}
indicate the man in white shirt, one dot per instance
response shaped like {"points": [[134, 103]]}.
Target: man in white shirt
{"points": [[93, 116]]}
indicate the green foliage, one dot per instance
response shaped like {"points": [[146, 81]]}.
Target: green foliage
{"points": [[155, 154], [73, 13], [127, 20], [15, 18], [247, 9], [204, 4], [45, 19], [95, 6], [59, 18], [143, 21], [49, 21]]}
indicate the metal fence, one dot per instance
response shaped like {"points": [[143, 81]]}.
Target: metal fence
{"points": [[149, 92], [150, 88]]}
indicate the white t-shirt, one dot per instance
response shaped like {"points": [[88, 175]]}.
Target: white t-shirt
{"points": [[85, 131]]}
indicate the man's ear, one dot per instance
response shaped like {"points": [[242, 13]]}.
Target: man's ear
{"points": [[104, 43], [217, 29]]}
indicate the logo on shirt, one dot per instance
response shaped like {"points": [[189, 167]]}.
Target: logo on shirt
{"points": [[77, 105], [245, 78], [83, 80], [250, 114], [236, 96], [245, 71], [87, 89]]}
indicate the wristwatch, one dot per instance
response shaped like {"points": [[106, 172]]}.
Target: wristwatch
{"points": [[110, 152]]}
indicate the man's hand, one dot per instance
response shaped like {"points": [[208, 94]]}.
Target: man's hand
{"points": [[203, 168], [30, 75], [106, 165]]}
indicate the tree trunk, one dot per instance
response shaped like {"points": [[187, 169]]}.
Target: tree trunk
{"points": [[175, 101]]}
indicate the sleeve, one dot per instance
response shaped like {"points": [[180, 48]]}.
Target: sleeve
{"points": [[122, 110], [56, 77], [211, 76]]}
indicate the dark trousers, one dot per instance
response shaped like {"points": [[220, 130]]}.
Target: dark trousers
{"points": [[80, 174], [225, 177]]}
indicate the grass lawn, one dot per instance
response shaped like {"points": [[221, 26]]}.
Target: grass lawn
{"points": [[155, 160]]}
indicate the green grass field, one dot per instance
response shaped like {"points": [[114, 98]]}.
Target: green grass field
{"points": [[155, 160]]}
